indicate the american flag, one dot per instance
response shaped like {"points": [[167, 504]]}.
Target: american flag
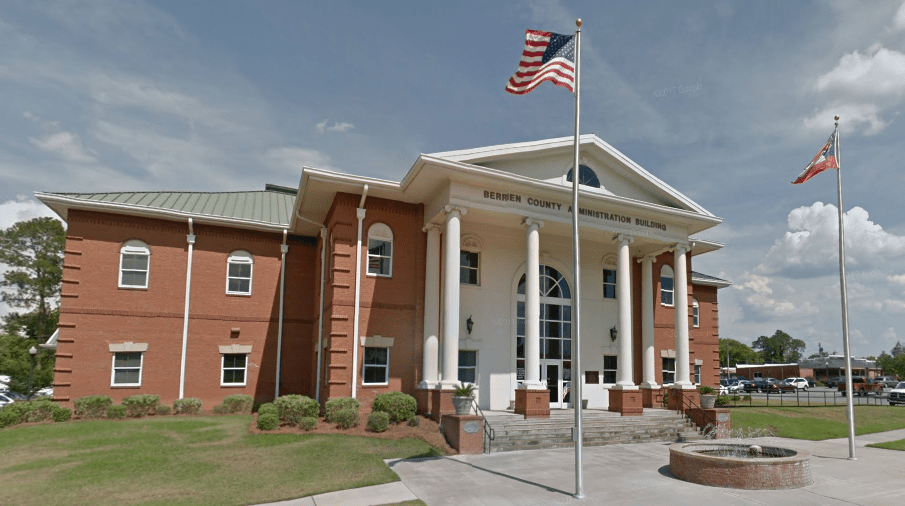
{"points": [[825, 159], [547, 57]]}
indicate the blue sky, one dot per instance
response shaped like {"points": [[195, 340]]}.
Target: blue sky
{"points": [[725, 101]]}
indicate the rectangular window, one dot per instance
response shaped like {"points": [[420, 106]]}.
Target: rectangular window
{"points": [[468, 366], [238, 278], [669, 370], [609, 368], [758, 375], [234, 368], [666, 291], [380, 257], [468, 268], [695, 314], [376, 368], [697, 375], [126, 369], [134, 270], [609, 284]]}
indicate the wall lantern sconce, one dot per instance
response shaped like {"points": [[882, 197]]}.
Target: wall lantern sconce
{"points": [[469, 324], [613, 333]]}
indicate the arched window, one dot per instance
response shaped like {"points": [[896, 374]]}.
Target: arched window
{"points": [[586, 176], [470, 261], [134, 264], [380, 250], [239, 268], [695, 313], [666, 286]]}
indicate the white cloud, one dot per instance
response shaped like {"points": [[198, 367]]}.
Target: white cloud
{"points": [[341, 127], [296, 158], [813, 241], [65, 145], [890, 334], [760, 298], [860, 117], [898, 22], [22, 209], [898, 279], [878, 72], [894, 306]]}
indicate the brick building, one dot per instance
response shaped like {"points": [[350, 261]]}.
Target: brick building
{"points": [[352, 286]]}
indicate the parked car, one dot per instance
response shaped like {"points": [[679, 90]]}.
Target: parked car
{"points": [[811, 383], [4, 400], [780, 387], [44, 392], [738, 387], [834, 381], [888, 381], [897, 394], [797, 383], [761, 385], [862, 386], [16, 396]]}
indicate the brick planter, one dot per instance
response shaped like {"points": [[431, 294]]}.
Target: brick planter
{"points": [[790, 471], [532, 403]]}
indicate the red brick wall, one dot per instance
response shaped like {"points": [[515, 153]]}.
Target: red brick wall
{"points": [[96, 313], [390, 306]]}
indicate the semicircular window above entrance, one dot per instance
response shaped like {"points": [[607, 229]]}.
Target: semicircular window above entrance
{"points": [[552, 284], [586, 177]]}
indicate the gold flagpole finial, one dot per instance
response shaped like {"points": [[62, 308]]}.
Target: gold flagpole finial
{"points": [[836, 118], [578, 22]]}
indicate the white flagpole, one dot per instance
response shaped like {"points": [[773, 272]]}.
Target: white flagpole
{"points": [[578, 436], [845, 341]]}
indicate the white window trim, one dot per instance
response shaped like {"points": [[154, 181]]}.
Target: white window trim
{"points": [[695, 313], [671, 371], [240, 257], [380, 232], [141, 367], [134, 247], [386, 368], [696, 374], [604, 370], [605, 284], [223, 371], [672, 276]]}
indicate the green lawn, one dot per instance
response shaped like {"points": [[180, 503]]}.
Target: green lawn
{"points": [[185, 460], [818, 423]]}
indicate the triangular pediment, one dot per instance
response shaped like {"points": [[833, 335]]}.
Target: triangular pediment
{"points": [[552, 160]]}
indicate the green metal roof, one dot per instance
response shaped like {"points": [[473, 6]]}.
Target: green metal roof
{"points": [[270, 207]]}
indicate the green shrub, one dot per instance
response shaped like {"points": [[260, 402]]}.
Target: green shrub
{"points": [[116, 412], [14, 414], [268, 421], [706, 390], [308, 423], [40, 410], [414, 421], [267, 408], [722, 400], [346, 418], [187, 406], [92, 406], [400, 406], [140, 405], [378, 421], [162, 410], [736, 398], [237, 403], [292, 408], [61, 414], [220, 409], [338, 404], [746, 398]]}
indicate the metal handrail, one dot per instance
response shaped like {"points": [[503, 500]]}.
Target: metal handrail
{"points": [[708, 420], [489, 434]]}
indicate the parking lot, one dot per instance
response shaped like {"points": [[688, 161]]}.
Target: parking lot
{"points": [[816, 396]]}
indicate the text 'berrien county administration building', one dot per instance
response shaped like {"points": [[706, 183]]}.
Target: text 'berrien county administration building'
{"points": [[353, 286]]}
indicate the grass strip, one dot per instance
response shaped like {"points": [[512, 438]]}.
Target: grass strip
{"points": [[192, 460], [818, 423], [890, 445]]}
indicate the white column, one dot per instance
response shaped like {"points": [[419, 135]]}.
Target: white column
{"points": [[451, 297], [532, 305], [681, 306], [624, 361], [430, 363], [648, 358]]}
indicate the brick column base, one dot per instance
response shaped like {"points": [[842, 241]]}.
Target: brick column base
{"points": [[626, 402], [465, 433], [441, 403], [532, 403], [652, 397], [677, 401], [423, 398]]}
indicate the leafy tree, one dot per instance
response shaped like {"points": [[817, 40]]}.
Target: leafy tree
{"points": [[33, 252], [779, 348], [738, 353], [15, 361], [892, 364], [897, 350]]}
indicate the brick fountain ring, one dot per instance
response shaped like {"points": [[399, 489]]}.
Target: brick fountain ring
{"points": [[740, 465]]}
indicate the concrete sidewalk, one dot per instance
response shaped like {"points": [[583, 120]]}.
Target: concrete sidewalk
{"points": [[635, 474]]}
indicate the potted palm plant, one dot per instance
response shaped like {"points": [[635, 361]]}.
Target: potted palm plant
{"points": [[708, 396], [463, 397]]}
